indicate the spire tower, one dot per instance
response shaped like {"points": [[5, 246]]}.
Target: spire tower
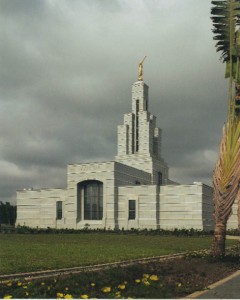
{"points": [[139, 140]]}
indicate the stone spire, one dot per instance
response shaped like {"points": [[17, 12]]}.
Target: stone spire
{"points": [[139, 134], [139, 139]]}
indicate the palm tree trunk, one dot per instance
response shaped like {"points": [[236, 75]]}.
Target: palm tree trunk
{"points": [[218, 248]]}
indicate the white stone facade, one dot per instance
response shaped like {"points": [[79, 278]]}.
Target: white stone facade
{"points": [[186, 206], [233, 220], [134, 191]]}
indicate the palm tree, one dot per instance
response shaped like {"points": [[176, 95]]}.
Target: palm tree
{"points": [[226, 175]]}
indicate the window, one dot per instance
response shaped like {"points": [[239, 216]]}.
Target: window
{"points": [[59, 210], [137, 125], [132, 209], [160, 178], [90, 194]]}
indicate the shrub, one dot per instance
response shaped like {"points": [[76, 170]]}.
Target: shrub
{"points": [[161, 232]]}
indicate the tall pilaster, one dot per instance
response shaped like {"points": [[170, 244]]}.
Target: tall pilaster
{"points": [[139, 97]]}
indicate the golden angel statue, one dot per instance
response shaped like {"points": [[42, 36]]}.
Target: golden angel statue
{"points": [[140, 70]]}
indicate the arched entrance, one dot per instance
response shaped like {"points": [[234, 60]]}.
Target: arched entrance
{"points": [[90, 200]]}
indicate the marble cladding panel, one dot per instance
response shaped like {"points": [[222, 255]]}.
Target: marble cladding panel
{"points": [[123, 139], [37, 208], [145, 197], [233, 220], [182, 205]]}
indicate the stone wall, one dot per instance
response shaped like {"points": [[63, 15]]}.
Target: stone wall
{"points": [[104, 172], [233, 220], [186, 206], [146, 206], [37, 208]]}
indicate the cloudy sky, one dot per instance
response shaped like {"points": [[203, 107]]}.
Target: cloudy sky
{"points": [[66, 72]]}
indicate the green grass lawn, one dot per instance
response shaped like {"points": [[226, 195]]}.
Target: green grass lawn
{"points": [[25, 253]]}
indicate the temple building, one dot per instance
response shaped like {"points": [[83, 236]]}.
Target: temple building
{"points": [[134, 191]]}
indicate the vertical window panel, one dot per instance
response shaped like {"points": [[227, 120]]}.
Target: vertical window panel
{"points": [[160, 178], [132, 209], [93, 199], [59, 210], [137, 125]]}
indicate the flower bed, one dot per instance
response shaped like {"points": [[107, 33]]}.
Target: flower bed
{"points": [[166, 279]]}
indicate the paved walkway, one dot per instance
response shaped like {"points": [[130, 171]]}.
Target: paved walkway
{"points": [[227, 288]]}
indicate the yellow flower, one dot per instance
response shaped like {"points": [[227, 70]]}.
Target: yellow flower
{"points": [[146, 282], [66, 289], [59, 295], [19, 283], [9, 284], [84, 296], [179, 284], [92, 284], [121, 286], [154, 278], [7, 297], [117, 295], [26, 293], [42, 283], [106, 289], [146, 276], [25, 287], [137, 280], [68, 296], [49, 288]]}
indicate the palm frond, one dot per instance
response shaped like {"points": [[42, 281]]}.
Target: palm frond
{"points": [[225, 14], [226, 176]]}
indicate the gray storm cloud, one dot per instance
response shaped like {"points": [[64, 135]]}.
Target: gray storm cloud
{"points": [[66, 73]]}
